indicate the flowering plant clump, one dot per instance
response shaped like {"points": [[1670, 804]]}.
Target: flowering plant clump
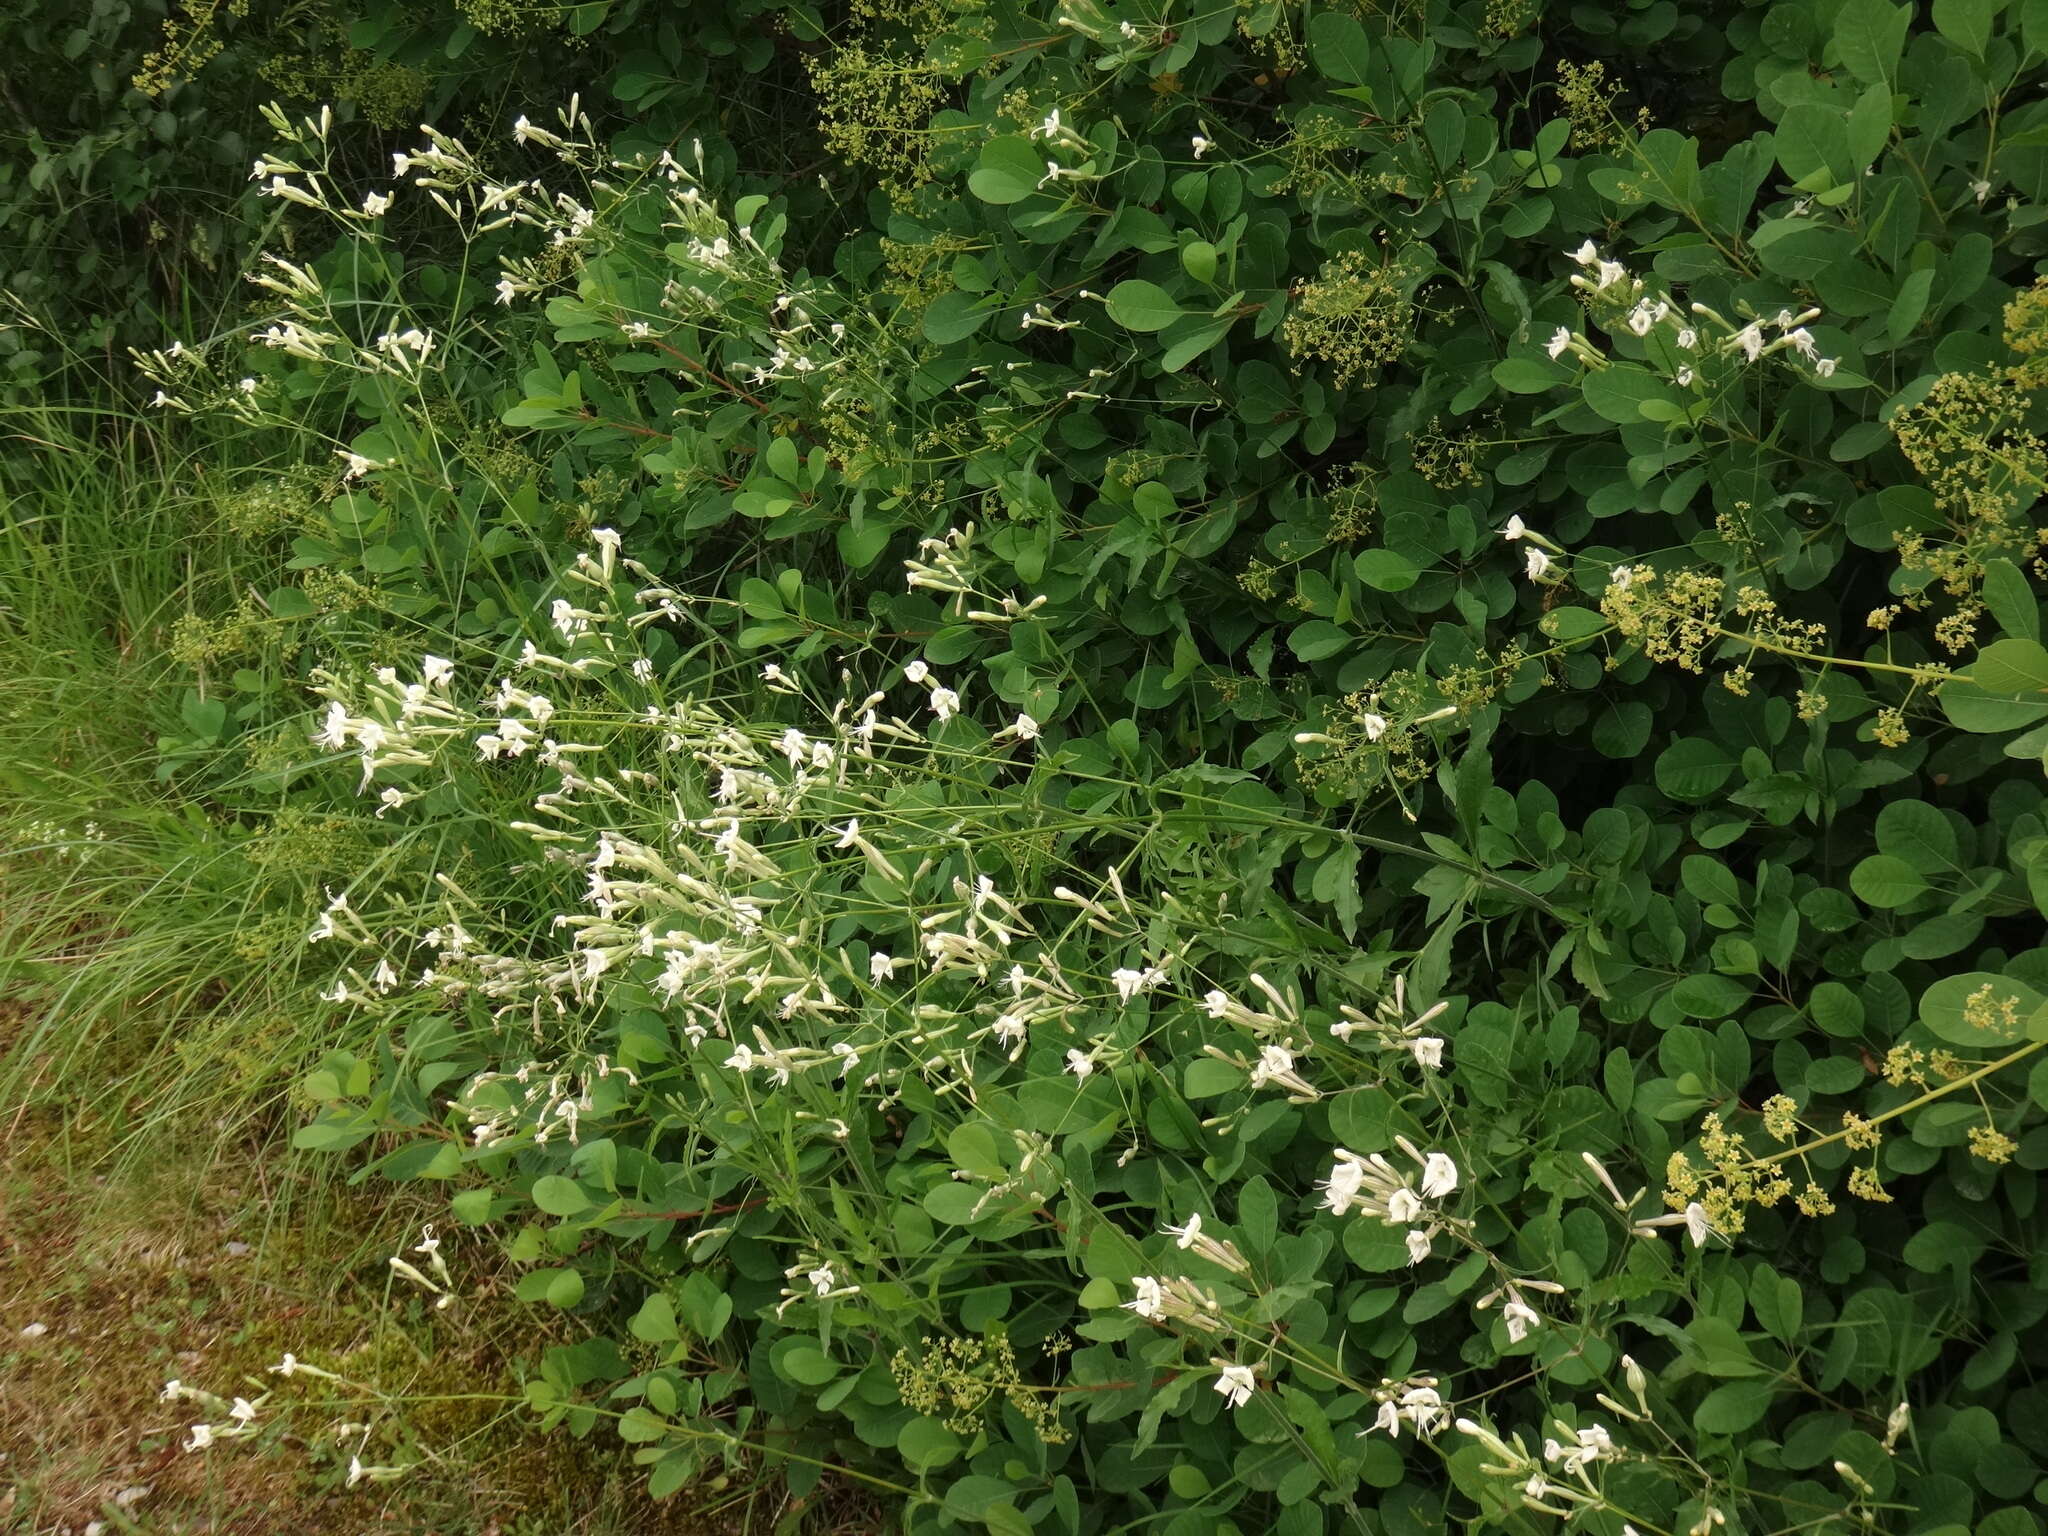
{"points": [[1050, 830]]}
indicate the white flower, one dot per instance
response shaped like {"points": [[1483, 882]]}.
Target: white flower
{"points": [[1587, 255], [1560, 340], [945, 703], [1428, 1051], [1688, 338], [1515, 528], [1375, 726], [1824, 368], [1184, 1237], [1024, 728], [377, 204], [1130, 983], [917, 671], [1342, 1187], [507, 290], [1079, 1064], [1685, 375], [246, 386], [1274, 1061], [1980, 190], [1148, 1302], [1520, 1317], [1418, 1246], [1535, 564], [202, 1437], [1640, 320], [1609, 273], [1439, 1176], [1403, 1206], [356, 1470], [821, 1279], [400, 164], [37, 1330], [741, 1059], [1202, 146], [1050, 127], [1802, 343], [1697, 1226], [881, 967], [286, 1366], [1236, 1383], [1751, 340], [242, 1410]]}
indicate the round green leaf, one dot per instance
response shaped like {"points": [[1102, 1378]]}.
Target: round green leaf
{"points": [[1137, 305], [559, 1196], [1885, 880], [1963, 1012]]}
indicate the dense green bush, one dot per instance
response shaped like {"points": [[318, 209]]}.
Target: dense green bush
{"points": [[1374, 627]]}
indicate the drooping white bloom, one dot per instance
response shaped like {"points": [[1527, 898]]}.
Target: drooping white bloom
{"points": [[1697, 1226], [1184, 1236], [1428, 1051], [1150, 1297], [1274, 1061], [1050, 127], [881, 967], [1824, 367], [821, 1279], [1024, 728], [1439, 1175], [377, 204], [1374, 726], [202, 1437], [917, 671], [1078, 1064], [242, 1410], [1750, 340], [1418, 1245], [1514, 529], [1535, 563], [1685, 375], [1688, 338], [945, 703], [1236, 1383], [1201, 146], [1560, 339], [1342, 1187], [1587, 255], [1608, 273], [1403, 1206], [1520, 1317]]}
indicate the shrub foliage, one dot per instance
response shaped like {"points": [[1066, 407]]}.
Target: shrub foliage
{"points": [[1270, 768]]}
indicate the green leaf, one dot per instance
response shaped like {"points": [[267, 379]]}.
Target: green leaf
{"points": [[1385, 571], [1620, 393], [1733, 1407], [1337, 46], [655, 1322], [1693, 768], [1966, 23], [1981, 1010], [1526, 375], [1918, 834], [1137, 305], [1884, 880], [1319, 638], [1008, 170], [1869, 35], [559, 1196], [2011, 666], [1707, 996]]}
